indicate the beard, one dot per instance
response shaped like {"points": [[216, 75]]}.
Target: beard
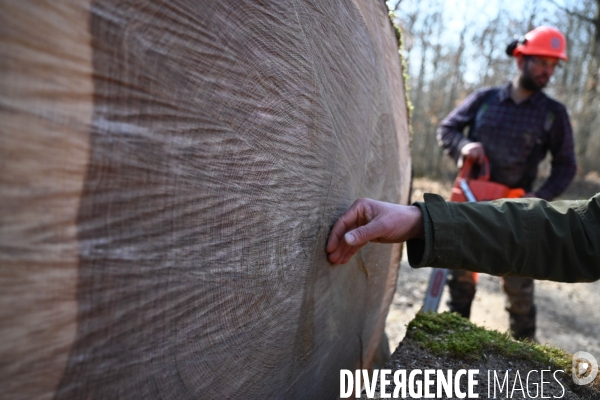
{"points": [[528, 82]]}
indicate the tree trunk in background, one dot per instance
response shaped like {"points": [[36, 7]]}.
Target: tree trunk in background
{"points": [[456, 72], [170, 174], [489, 40], [420, 135], [588, 144]]}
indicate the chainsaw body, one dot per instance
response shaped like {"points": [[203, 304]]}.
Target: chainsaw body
{"points": [[481, 186]]}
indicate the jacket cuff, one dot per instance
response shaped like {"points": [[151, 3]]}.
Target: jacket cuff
{"points": [[445, 234], [419, 250], [441, 237]]}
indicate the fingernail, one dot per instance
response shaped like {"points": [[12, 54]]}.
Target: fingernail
{"points": [[349, 238]]}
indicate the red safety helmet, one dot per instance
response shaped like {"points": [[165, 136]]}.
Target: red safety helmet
{"points": [[543, 41]]}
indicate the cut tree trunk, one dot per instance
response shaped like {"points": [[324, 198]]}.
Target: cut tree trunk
{"points": [[170, 171]]}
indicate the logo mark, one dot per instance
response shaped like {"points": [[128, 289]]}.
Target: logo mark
{"points": [[555, 43], [584, 364]]}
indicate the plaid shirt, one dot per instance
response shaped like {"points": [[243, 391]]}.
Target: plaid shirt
{"points": [[516, 137]]}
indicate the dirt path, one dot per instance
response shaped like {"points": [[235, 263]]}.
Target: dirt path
{"points": [[568, 314]]}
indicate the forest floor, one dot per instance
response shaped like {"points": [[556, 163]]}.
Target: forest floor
{"points": [[568, 314]]}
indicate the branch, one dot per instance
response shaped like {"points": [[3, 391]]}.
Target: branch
{"points": [[574, 13]]}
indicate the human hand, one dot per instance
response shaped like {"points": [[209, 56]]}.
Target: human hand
{"points": [[473, 151], [372, 221]]}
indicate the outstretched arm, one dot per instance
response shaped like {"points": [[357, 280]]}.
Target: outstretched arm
{"points": [[529, 237]]}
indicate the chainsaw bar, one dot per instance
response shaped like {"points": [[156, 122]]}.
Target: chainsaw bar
{"points": [[437, 280], [438, 277]]}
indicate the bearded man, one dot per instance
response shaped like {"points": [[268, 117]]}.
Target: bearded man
{"points": [[514, 126]]}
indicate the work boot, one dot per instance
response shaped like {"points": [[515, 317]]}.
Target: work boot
{"points": [[462, 292], [520, 306], [464, 310], [522, 327]]}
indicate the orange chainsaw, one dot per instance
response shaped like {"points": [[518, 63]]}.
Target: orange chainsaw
{"points": [[479, 184], [471, 186]]}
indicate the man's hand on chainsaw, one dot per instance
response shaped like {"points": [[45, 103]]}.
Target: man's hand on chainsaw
{"points": [[474, 151], [372, 221]]}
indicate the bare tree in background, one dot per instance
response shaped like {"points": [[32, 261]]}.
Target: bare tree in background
{"points": [[588, 134], [448, 70]]}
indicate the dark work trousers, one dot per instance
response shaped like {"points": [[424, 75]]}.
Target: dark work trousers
{"points": [[519, 300]]}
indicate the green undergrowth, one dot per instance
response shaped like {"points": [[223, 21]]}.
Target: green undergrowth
{"points": [[450, 334]]}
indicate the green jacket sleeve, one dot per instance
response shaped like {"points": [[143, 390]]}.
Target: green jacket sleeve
{"points": [[557, 241]]}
